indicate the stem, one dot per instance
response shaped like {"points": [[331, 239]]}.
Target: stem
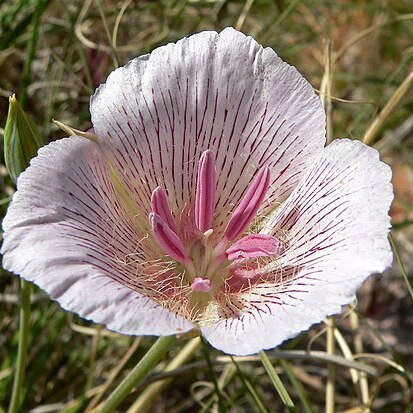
{"points": [[331, 368], [143, 403], [243, 14], [358, 346], [391, 105], [16, 396], [325, 90], [148, 361]]}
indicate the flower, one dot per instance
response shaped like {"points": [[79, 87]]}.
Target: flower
{"points": [[207, 200]]}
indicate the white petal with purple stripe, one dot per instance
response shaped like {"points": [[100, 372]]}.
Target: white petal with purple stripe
{"points": [[335, 224]]}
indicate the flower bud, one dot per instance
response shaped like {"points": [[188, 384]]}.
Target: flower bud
{"points": [[22, 139]]}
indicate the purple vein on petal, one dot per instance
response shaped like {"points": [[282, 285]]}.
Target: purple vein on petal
{"points": [[205, 192], [167, 239], [249, 205], [160, 206]]}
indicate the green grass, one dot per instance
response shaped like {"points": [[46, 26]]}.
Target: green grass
{"points": [[53, 53]]}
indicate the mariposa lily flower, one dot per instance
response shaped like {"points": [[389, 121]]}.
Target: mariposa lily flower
{"points": [[206, 200]]}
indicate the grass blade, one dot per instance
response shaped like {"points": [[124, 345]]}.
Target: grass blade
{"points": [[302, 394], [16, 397], [401, 265], [250, 388], [276, 381]]}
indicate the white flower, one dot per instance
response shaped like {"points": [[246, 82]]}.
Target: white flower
{"points": [[208, 201]]}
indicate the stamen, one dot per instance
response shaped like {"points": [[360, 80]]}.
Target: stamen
{"points": [[254, 246], [167, 239], [205, 192], [206, 236], [249, 205], [160, 206], [201, 285]]}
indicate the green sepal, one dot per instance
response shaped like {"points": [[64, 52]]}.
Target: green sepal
{"points": [[22, 139]]}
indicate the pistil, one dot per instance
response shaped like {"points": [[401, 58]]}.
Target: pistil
{"points": [[201, 285]]}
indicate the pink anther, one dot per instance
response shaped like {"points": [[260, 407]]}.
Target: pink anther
{"points": [[249, 205], [205, 192]]}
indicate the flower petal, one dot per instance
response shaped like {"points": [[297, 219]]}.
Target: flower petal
{"points": [[335, 224], [68, 231], [223, 92]]}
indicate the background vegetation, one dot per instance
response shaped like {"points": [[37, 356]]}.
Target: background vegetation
{"points": [[358, 54]]}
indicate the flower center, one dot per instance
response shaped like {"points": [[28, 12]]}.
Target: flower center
{"points": [[210, 266]]}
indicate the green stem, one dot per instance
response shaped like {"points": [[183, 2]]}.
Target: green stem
{"points": [[148, 361], [17, 391], [148, 396]]}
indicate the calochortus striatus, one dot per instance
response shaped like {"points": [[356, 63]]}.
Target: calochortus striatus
{"points": [[204, 198]]}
